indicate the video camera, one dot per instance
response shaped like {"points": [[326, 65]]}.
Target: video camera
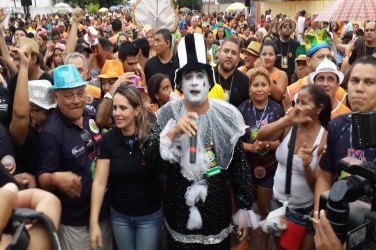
{"points": [[351, 203]]}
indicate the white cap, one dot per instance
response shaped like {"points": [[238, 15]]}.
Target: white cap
{"points": [[91, 36], [41, 95], [326, 66]]}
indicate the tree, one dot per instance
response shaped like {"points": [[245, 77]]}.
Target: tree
{"points": [[192, 4]]}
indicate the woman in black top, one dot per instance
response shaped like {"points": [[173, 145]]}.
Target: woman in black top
{"points": [[125, 160]]}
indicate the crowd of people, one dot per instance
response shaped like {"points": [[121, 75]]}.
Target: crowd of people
{"points": [[129, 137]]}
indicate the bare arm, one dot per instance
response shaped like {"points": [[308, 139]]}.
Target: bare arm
{"points": [[323, 183], [97, 194], [41, 201], [3, 46], [72, 36], [19, 126], [277, 91]]}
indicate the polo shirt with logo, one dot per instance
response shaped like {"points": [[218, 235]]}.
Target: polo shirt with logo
{"points": [[62, 149]]}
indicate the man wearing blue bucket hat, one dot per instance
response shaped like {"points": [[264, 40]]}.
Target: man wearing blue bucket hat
{"points": [[67, 151]]}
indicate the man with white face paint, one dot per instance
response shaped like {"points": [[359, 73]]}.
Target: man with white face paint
{"points": [[198, 209]]}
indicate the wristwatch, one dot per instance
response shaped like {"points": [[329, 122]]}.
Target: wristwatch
{"points": [[108, 96]]}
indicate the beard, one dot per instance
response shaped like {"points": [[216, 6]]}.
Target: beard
{"points": [[227, 68]]}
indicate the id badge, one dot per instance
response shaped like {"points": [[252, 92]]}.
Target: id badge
{"points": [[227, 95], [284, 62]]}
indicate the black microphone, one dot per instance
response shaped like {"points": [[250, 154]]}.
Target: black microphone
{"points": [[192, 148]]}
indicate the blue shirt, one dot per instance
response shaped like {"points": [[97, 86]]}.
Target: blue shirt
{"points": [[339, 146], [62, 149]]}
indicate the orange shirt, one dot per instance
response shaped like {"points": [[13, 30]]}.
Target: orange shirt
{"points": [[341, 109], [294, 88], [197, 30]]}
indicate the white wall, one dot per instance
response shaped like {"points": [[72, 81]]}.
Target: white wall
{"points": [[42, 7]]}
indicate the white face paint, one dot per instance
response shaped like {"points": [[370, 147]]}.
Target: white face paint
{"points": [[195, 86]]}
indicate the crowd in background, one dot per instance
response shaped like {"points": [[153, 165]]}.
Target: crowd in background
{"points": [[63, 81]]}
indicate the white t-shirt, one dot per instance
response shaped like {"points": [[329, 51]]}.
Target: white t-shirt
{"points": [[301, 24]]}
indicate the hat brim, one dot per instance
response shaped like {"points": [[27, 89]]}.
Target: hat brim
{"points": [[338, 73], [107, 76], [86, 39], [253, 52], [70, 86], [293, 25], [188, 67]]}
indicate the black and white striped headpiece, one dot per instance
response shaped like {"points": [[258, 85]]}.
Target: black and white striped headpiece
{"points": [[192, 55]]}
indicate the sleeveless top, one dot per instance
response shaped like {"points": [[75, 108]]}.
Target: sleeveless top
{"points": [[301, 194]]}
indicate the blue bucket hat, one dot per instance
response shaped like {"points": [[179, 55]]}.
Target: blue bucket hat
{"points": [[67, 77]]}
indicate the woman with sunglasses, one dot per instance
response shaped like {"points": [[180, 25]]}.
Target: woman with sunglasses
{"points": [[125, 163]]}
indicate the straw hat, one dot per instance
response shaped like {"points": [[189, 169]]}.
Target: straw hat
{"points": [[281, 23], [253, 48], [91, 37], [25, 41]]}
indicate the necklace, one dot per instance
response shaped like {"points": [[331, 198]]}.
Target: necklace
{"points": [[284, 59], [227, 92], [130, 142], [259, 122]]}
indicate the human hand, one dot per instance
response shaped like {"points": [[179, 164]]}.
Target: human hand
{"points": [[305, 153], [78, 15], [24, 53], [69, 183], [259, 146], [95, 236], [242, 233], [187, 124], [26, 180], [325, 238], [3, 15], [295, 115], [259, 63], [125, 78]]}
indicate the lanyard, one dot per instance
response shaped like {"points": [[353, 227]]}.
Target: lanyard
{"points": [[258, 122]]}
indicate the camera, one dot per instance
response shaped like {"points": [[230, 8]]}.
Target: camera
{"points": [[351, 203]]}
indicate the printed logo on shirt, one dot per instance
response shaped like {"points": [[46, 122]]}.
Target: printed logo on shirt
{"points": [[93, 126], [78, 150]]}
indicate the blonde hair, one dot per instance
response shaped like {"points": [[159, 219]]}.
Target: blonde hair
{"points": [[260, 71]]}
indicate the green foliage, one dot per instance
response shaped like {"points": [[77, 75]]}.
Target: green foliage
{"points": [[86, 3], [188, 3], [93, 8]]}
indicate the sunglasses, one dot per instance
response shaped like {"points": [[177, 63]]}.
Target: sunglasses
{"points": [[287, 26]]}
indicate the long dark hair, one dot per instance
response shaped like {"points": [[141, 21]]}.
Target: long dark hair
{"points": [[154, 84], [143, 125], [319, 97]]}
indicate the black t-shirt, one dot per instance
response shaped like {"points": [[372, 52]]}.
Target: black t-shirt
{"points": [[6, 177], [354, 55], [134, 188], [286, 49], [154, 65], [239, 84], [12, 89], [6, 145], [27, 154], [4, 107]]}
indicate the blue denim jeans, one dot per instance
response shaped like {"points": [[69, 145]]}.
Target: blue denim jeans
{"points": [[137, 233]]}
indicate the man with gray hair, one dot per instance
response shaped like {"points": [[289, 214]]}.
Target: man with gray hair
{"points": [[93, 92]]}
